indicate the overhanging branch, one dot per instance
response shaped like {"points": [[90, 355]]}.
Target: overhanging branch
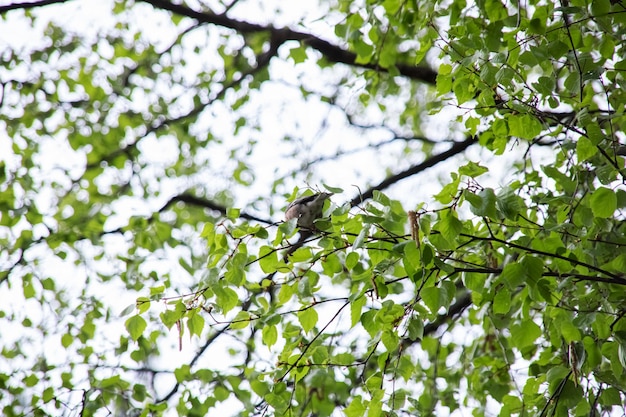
{"points": [[192, 200], [330, 51], [29, 5], [455, 149]]}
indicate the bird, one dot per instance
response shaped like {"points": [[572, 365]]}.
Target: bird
{"points": [[306, 209]]}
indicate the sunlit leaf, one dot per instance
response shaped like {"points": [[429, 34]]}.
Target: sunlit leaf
{"points": [[135, 326], [308, 319], [270, 335]]}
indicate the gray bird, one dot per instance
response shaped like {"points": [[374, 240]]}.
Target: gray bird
{"points": [[306, 209]]}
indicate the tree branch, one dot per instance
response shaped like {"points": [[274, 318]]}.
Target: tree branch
{"points": [[29, 5], [462, 302], [191, 199], [195, 359], [614, 278], [455, 149], [330, 51]]}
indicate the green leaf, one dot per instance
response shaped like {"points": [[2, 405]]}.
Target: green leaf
{"points": [[208, 232], [572, 83], [502, 301], [143, 304], [390, 340], [241, 320], [585, 149], [268, 260], [449, 225], [170, 317], [356, 408], [473, 169], [364, 51], [524, 126], [483, 204], [464, 88], [233, 213], [449, 191], [48, 395], [128, 309], [369, 323], [182, 373], [227, 298], [114, 381], [545, 86], [156, 291], [135, 326], [533, 268], [411, 258], [356, 307], [375, 408], [298, 54], [603, 202], [285, 229], [28, 289], [505, 75], [31, 380], [416, 328], [472, 124], [595, 135], [352, 260], [301, 254], [195, 323], [570, 332], [261, 233], [285, 293], [513, 274], [235, 273], [392, 6], [331, 265], [333, 190], [610, 397], [269, 335], [437, 298], [621, 354], [524, 334], [308, 319], [388, 55], [48, 284], [390, 312], [444, 79], [508, 203], [594, 356], [360, 239]]}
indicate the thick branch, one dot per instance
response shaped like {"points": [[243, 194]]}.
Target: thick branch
{"points": [[462, 302], [201, 202], [457, 148], [330, 51], [28, 5]]}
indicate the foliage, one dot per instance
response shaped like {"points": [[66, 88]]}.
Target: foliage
{"points": [[144, 271]]}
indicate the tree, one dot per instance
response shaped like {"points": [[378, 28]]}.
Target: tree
{"points": [[147, 157]]}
